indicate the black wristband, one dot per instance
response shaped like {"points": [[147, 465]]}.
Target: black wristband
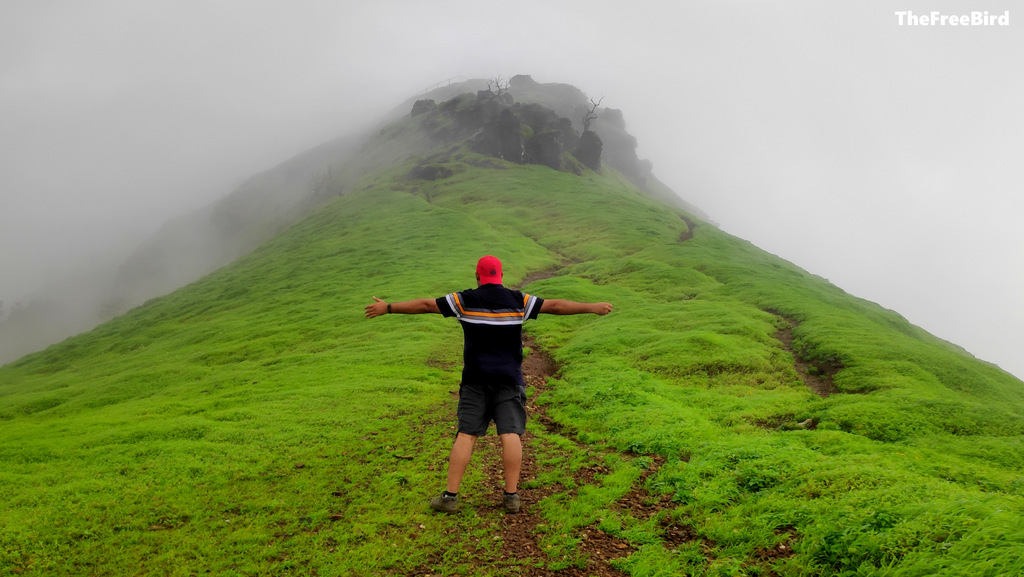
{"points": [[389, 308]]}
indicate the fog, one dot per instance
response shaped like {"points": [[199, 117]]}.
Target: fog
{"points": [[879, 156]]}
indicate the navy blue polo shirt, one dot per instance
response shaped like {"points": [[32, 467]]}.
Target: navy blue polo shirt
{"points": [[492, 318]]}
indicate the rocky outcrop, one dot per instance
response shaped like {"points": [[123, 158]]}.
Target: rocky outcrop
{"points": [[588, 150], [502, 137], [544, 148], [423, 106], [498, 126], [541, 119], [620, 146], [509, 134], [471, 113]]}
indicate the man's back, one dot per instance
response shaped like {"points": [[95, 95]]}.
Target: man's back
{"points": [[492, 318]]}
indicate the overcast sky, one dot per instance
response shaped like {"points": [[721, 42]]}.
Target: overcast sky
{"points": [[882, 157]]}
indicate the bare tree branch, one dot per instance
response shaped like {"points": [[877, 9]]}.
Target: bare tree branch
{"points": [[497, 84], [591, 114]]}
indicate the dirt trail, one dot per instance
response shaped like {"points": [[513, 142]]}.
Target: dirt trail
{"points": [[690, 228], [817, 378], [521, 549]]}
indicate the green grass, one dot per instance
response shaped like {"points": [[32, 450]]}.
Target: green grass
{"points": [[255, 423]]}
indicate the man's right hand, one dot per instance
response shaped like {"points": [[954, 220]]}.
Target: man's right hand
{"points": [[376, 309]]}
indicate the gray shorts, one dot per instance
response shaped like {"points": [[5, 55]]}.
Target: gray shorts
{"points": [[480, 404]]}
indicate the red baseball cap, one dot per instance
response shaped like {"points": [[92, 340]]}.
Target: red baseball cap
{"points": [[488, 270]]}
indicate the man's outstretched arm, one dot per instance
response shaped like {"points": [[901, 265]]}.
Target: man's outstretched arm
{"points": [[560, 307], [414, 307]]}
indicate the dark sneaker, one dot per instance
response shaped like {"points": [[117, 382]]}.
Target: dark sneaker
{"points": [[511, 503], [444, 503]]}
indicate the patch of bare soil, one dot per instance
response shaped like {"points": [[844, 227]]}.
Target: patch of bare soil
{"points": [[690, 228], [643, 505], [639, 502], [541, 275], [764, 557], [817, 378], [546, 273]]}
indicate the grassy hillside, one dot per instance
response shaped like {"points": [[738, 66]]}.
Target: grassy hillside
{"points": [[254, 423]]}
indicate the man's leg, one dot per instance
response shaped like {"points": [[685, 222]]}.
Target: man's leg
{"points": [[458, 460], [512, 458]]}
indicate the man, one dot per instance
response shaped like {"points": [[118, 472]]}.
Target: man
{"points": [[492, 387]]}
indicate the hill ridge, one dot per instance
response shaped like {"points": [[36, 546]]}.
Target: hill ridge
{"points": [[193, 412]]}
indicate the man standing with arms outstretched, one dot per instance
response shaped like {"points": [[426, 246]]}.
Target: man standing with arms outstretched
{"points": [[492, 388]]}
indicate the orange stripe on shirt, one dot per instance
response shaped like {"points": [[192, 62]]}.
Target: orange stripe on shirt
{"points": [[482, 314]]}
